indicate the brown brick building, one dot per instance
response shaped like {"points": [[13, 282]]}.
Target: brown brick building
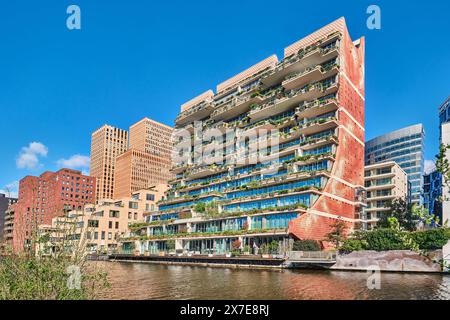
{"points": [[47, 196]]}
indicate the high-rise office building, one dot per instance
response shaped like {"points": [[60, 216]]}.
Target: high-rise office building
{"points": [[406, 147], [306, 115], [136, 169], [148, 161], [106, 145], [151, 137], [47, 196]]}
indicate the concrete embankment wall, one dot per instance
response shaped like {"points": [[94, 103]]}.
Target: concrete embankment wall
{"points": [[393, 261], [204, 261]]}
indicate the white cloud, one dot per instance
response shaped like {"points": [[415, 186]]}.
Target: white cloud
{"points": [[11, 189], [76, 161], [429, 166], [29, 156]]}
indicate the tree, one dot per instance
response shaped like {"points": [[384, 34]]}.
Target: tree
{"points": [[306, 245], [443, 165], [338, 233], [403, 212]]}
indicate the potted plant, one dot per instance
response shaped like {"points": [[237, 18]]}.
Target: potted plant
{"points": [[236, 247]]}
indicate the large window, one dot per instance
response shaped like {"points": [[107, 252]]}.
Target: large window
{"points": [[114, 214], [93, 223]]}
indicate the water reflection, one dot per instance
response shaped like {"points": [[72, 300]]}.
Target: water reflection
{"points": [[149, 281]]}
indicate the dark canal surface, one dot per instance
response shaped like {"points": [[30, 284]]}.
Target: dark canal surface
{"points": [[151, 281]]}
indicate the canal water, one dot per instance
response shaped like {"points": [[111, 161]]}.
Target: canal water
{"points": [[152, 281]]}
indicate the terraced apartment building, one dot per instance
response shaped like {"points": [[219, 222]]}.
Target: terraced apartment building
{"points": [[276, 153]]}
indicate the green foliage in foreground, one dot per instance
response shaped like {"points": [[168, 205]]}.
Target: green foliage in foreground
{"points": [[31, 277], [395, 239]]}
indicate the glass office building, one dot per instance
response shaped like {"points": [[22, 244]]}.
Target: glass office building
{"points": [[406, 147], [432, 191]]}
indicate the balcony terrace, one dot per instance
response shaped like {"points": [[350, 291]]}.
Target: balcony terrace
{"points": [[380, 186], [318, 125], [372, 209], [236, 106], [294, 97], [378, 198], [309, 144], [316, 73], [197, 112], [304, 59], [308, 190], [379, 176], [181, 168], [243, 82], [203, 171], [319, 106]]}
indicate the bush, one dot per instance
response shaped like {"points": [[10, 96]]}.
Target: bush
{"points": [[385, 239], [31, 277], [200, 207], [431, 239], [306, 245], [273, 247], [350, 245], [391, 239]]}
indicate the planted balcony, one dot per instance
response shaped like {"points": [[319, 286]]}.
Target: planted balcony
{"points": [[323, 50], [196, 112], [319, 106], [316, 73], [318, 125], [237, 106], [206, 170]]}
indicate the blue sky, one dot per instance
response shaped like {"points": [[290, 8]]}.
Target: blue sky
{"points": [[140, 58]]}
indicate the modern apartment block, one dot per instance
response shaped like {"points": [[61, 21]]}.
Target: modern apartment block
{"points": [[384, 182], [107, 143], [147, 162], [47, 196], [8, 229], [305, 114], [406, 147], [5, 203], [98, 227]]}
